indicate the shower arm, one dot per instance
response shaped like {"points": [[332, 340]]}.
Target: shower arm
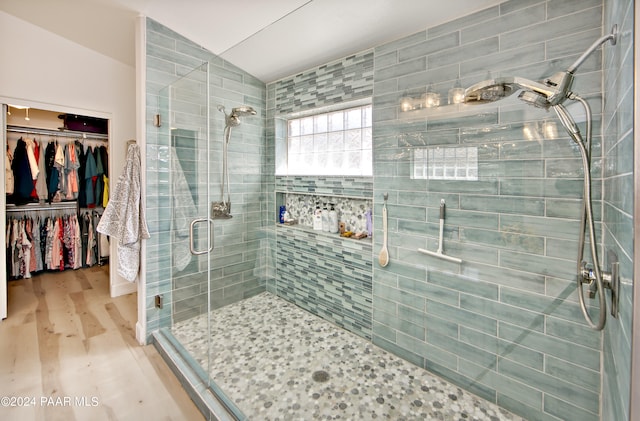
{"points": [[612, 36]]}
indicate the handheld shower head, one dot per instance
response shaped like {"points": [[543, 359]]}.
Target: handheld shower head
{"points": [[233, 119], [243, 110]]}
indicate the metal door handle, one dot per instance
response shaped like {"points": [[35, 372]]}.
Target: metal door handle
{"points": [[191, 245]]}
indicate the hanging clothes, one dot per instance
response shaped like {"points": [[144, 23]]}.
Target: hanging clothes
{"points": [[90, 177], [59, 164], [41, 183], [35, 243], [71, 171], [105, 176], [32, 152], [124, 216], [99, 186], [8, 172], [105, 195], [52, 174], [82, 198], [23, 183]]}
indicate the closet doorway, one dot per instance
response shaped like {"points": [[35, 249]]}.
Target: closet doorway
{"points": [[68, 155]]}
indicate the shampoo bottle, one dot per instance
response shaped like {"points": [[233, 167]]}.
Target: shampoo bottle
{"points": [[317, 218], [369, 222], [325, 219], [333, 220]]}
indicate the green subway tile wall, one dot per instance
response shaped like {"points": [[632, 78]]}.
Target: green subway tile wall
{"points": [[505, 323], [618, 224], [241, 254]]}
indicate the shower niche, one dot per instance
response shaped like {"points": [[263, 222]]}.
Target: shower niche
{"points": [[352, 212]]}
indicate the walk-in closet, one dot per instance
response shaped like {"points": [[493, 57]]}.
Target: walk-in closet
{"points": [[56, 189]]}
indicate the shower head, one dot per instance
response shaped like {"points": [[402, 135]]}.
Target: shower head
{"points": [[243, 110], [233, 119], [549, 92]]}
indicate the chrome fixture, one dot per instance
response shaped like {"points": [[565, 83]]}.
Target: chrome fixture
{"points": [[222, 209], [552, 93]]}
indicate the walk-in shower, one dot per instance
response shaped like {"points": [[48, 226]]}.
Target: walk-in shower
{"points": [[222, 209], [552, 93]]}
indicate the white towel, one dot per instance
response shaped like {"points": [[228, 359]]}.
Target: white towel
{"points": [[184, 211]]}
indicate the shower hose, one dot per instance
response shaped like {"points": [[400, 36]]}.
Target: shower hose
{"points": [[585, 152]]}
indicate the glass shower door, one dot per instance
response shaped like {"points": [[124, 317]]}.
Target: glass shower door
{"points": [[192, 179], [184, 124]]}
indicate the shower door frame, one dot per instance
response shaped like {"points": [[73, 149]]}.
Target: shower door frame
{"points": [[180, 116], [634, 399]]}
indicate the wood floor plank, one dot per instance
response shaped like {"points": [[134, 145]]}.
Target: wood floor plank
{"points": [[66, 338], [48, 344], [91, 326]]}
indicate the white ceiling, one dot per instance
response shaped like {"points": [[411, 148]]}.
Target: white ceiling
{"points": [[270, 39]]}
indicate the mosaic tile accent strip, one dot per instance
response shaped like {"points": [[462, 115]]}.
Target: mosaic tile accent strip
{"points": [[279, 362], [340, 81], [328, 276], [328, 186]]}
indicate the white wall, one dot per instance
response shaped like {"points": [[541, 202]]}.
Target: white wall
{"points": [[44, 70]]}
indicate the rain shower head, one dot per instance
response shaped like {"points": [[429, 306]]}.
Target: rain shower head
{"points": [[547, 93], [551, 91]]}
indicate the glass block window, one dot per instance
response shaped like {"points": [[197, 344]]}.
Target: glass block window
{"points": [[438, 163], [333, 143]]}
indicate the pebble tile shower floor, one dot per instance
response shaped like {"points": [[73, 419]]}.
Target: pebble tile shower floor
{"points": [[279, 362]]}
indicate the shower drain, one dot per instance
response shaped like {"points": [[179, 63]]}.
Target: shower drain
{"points": [[320, 376]]}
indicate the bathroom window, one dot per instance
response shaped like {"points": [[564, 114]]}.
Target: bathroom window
{"points": [[335, 143], [438, 163]]}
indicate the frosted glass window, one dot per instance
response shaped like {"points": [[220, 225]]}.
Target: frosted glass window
{"points": [[336, 121], [438, 163], [335, 143], [354, 118], [321, 123]]}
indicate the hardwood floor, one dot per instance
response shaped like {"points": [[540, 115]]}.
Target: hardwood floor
{"points": [[68, 352]]}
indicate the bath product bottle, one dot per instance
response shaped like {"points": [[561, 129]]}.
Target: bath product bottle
{"points": [[325, 219], [317, 218], [333, 220], [369, 222], [283, 209]]}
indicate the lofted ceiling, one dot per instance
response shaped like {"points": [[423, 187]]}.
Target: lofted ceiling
{"points": [[270, 39]]}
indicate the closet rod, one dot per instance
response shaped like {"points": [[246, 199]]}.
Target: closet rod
{"points": [[62, 133], [40, 206]]}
